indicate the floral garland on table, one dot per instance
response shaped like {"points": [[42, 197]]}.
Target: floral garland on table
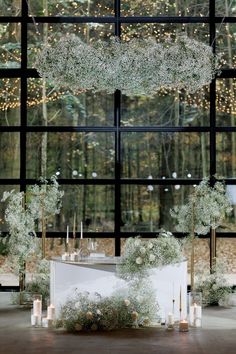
{"points": [[141, 255], [137, 67]]}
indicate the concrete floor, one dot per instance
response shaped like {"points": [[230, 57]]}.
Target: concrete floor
{"points": [[218, 336]]}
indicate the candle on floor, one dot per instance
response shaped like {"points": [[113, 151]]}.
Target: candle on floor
{"points": [[195, 315], [37, 307], [51, 312], [183, 326]]}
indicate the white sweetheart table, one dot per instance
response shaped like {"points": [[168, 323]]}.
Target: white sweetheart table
{"points": [[100, 276]]}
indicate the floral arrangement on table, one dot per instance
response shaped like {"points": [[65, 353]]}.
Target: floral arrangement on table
{"points": [[136, 67], [22, 213], [213, 284], [204, 211], [140, 255], [134, 307]]}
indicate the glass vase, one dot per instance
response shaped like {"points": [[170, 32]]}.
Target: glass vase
{"points": [[195, 309]]}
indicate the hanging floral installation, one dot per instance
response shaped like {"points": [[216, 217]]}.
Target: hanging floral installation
{"points": [[136, 67]]}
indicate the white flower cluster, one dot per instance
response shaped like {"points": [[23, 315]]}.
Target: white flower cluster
{"points": [[137, 67], [206, 208], [141, 255], [213, 284]]}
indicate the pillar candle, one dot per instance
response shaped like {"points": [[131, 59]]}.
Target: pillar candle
{"points": [[195, 315], [51, 312], [37, 307], [183, 326], [170, 319]]}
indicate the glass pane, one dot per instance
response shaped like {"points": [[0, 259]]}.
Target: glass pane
{"points": [[51, 33], [93, 204], [226, 249], [165, 155], [71, 8], [9, 155], [163, 31], [165, 8], [147, 208], [225, 102], [229, 223], [10, 48], [226, 154], [226, 8], [70, 155], [55, 247], [226, 43], [10, 7], [48, 106], [9, 102], [167, 109]]}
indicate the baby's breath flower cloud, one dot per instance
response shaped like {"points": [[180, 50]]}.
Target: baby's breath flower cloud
{"points": [[136, 67]]}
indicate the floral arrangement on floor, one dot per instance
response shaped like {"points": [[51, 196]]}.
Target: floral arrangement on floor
{"points": [[140, 255], [136, 67], [22, 213], [38, 284], [213, 284], [134, 307]]}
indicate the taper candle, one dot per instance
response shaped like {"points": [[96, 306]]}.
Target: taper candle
{"points": [[67, 234], [81, 230]]}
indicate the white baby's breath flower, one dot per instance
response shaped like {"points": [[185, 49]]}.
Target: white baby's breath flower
{"points": [[150, 245], [77, 305], [139, 260], [98, 312], [89, 315], [137, 242], [127, 302], [142, 250], [152, 257], [134, 315]]}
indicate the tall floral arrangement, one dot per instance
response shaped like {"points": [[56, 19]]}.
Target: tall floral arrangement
{"points": [[21, 214], [22, 242], [136, 67], [205, 210]]}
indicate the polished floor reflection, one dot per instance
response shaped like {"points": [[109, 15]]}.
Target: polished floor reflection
{"points": [[17, 336]]}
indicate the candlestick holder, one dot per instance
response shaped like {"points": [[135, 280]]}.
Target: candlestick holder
{"points": [[195, 309]]}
